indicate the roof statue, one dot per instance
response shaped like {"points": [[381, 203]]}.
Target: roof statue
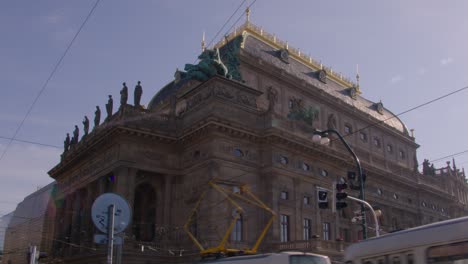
{"points": [[210, 65], [109, 106], [124, 94], [85, 125], [137, 94], [66, 143], [97, 116]]}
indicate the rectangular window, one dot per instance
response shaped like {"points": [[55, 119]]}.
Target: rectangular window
{"points": [[307, 229], [363, 136], [377, 142], [326, 231], [389, 149], [306, 199], [236, 234], [402, 154], [284, 195], [409, 259], [348, 129], [284, 228], [345, 234]]}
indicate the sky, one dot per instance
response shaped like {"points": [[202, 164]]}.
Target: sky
{"points": [[409, 52]]}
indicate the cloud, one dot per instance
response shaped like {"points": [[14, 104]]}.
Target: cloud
{"points": [[396, 78], [422, 71], [53, 19], [444, 62]]}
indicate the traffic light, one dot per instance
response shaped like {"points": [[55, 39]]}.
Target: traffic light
{"points": [[322, 197], [341, 195]]}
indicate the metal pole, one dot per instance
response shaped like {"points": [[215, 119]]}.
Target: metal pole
{"points": [[361, 180], [110, 232], [119, 252], [377, 227]]}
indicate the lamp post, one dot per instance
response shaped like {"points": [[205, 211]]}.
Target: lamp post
{"points": [[321, 137]]}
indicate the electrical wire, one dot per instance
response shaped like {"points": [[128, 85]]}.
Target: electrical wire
{"points": [[233, 25], [227, 21], [48, 79], [405, 112], [31, 142]]}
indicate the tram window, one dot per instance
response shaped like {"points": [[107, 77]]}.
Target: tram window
{"points": [[409, 259], [451, 253], [396, 260], [380, 261]]}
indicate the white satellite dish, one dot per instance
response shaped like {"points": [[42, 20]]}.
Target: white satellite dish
{"points": [[100, 212]]}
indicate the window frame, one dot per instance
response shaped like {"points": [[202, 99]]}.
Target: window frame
{"points": [[284, 228], [326, 231], [307, 228], [284, 195]]}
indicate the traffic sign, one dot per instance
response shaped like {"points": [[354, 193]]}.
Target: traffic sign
{"points": [[100, 212]]}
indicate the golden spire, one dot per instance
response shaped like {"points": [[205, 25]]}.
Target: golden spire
{"points": [[357, 79], [203, 42], [247, 13]]}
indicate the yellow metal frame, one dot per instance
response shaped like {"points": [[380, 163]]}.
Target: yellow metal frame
{"points": [[230, 196]]}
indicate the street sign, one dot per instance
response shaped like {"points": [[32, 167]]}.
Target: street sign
{"points": [[103, 239], [100, 212]]}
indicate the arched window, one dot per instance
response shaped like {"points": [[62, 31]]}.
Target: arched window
{"points": [[144, 212]]}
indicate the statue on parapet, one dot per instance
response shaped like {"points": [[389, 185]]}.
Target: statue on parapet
{"points": [[137, 94], [66, 143], [85, 125], [210, 64], [124, 94], [76, 135], [428, 168], [97, 116], [109, 106]]}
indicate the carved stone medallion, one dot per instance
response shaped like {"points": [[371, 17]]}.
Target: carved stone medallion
{"points": [[322, 76], [284, 55], [353, 92], [379, 108]]}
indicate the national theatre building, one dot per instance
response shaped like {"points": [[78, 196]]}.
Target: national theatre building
{"points": [[243, 118]]}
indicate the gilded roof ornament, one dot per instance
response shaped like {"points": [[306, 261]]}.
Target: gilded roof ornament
{"points": [[203, 42], [247, 13], [358, 89]]}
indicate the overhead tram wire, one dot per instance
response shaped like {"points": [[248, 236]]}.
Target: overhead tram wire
{"points": [[31, 142], [450, 156], [227, 21], [406, 111], [49, 78], [234, 24]]}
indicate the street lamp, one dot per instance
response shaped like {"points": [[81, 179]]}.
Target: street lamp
{"points": [[321, 137]]}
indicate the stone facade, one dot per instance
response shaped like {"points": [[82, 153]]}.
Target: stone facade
{"points": [[254, 130]]}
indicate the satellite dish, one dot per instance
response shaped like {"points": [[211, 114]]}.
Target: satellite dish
{"points": [[100, 212]]}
